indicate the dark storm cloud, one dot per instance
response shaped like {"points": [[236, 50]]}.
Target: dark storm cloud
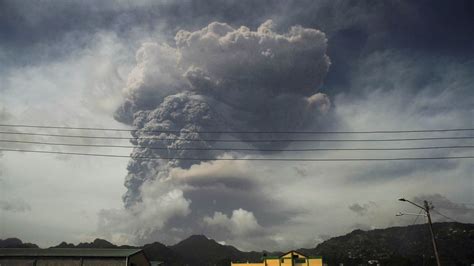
{"points": [[385, 172], [363, 209], [391, 24], [401, 89], [356, 29], [227, 202], [14, 205], [54, 29], [353, 27], [218, 78]]}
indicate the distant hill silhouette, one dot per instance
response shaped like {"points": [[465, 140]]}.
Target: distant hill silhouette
{"points": [[159, 252], [410, 245], [199, 250], [97, 243], [15, 243], [195, 250]]}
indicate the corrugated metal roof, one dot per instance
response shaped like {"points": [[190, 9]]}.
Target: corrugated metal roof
{"points": [[67, 252]]}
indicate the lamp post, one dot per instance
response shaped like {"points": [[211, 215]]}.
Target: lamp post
{"points": [[426, 208]]}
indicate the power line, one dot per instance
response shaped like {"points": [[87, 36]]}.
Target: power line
{"points": [[459, 203], [447, 217], [416, 218], [235, 149], [235, 140], [242, 159], [240, 132], [456, 208]]}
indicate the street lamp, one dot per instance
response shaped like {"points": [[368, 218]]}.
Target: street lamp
{"points": [[426, 208], [402, 199]]}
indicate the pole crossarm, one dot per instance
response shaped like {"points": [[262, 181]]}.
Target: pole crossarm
{"points": [[409, 213]]}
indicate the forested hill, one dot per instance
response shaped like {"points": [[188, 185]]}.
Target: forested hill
{"points": [[409, 245]]}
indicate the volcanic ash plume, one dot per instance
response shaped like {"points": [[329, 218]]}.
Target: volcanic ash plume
{"points": [[219, 78]]}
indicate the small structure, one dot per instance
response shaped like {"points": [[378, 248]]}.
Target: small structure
{"points": [[72, 256], [291, 258]]}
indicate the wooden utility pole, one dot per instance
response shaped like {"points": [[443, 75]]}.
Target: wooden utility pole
{"points": [[426, 208], [435, 247]]}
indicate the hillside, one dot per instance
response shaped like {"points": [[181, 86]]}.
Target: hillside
{"points": [[154, 251], [195, 250], [401, 245], [199, 250], [15, 243], [409, 245]]}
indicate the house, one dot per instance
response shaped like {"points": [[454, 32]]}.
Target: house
{"points": [[72, 256], [291, 258]]}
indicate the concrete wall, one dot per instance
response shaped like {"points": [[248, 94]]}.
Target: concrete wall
{"points": [[16, 262], [289, 259], [247, 264], [69, 262], [273, 262], [58, 262], [103, 262]]}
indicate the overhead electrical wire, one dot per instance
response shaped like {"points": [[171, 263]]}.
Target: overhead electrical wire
{"points": [[447, 217], [239, 132], [416, 218], [217, 140], [236, 140], [235, 149], [242, 159], [456, 208]]}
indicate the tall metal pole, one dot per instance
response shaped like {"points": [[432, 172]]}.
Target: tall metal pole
{"points": [[435, 247], [427, 208]]}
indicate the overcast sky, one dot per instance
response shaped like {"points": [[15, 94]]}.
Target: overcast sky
{"points": [[232, 66]]}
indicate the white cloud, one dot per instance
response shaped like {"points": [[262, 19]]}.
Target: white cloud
{"points": [[136, 223], [240, 223]]}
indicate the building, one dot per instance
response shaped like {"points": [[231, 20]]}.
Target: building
{"points": [[72, 257], [291, 258]]}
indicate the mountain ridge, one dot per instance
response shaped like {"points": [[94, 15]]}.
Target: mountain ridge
{"points": [[401, 245]]}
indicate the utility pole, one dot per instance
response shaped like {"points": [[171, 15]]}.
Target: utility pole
{"points": [[435, 247], [426, 208]]}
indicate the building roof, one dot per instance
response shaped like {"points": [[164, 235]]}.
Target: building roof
{"points": [[67, 252], [292, 252]]}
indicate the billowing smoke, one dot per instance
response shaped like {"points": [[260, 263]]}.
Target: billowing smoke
{"points": [[221, 79]]}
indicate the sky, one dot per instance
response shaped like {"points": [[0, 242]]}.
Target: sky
{"points": [[187, 68]]}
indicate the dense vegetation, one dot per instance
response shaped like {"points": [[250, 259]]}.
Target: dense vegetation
{"points": [[409, 245]]}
